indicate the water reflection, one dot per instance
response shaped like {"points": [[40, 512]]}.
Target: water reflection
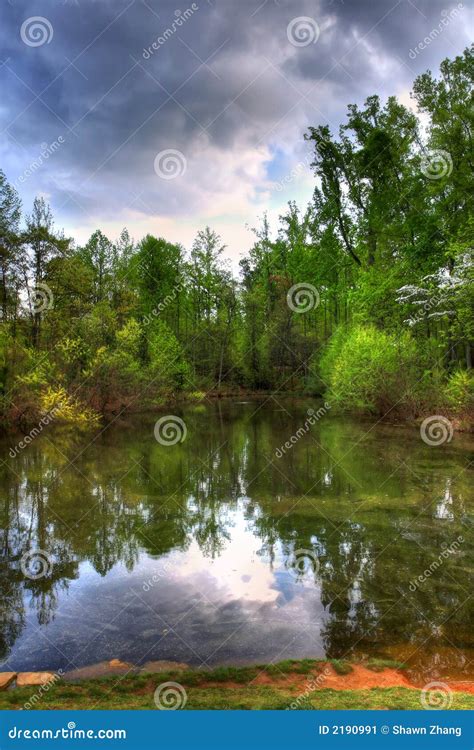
{"points": [[187, 552]]}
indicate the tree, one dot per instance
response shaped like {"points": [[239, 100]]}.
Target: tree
{"points": [[98, 255], [10, 212], [449, 151], [43, 244], [382, 255], [158, 267]]}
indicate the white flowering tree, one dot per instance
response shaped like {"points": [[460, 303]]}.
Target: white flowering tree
{"points": [[448, 295]]}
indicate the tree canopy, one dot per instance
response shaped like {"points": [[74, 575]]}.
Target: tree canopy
{"points": [[366, 294]]}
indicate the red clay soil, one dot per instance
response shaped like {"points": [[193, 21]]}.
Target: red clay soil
{"points": [[360, 678], [463, 687]]}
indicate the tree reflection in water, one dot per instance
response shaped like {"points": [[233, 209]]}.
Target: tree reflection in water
{"points": [[374, 506]]}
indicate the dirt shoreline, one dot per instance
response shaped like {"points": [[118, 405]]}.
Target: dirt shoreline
{"points": [[291, 685], [293, 675], [123, 415]]}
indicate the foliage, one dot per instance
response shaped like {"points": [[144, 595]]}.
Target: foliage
{"points": [[372, 371], [168, 365], [460, 391], [383, 250], [222, 688], [341, 666], [115, 372], [63, 407]]}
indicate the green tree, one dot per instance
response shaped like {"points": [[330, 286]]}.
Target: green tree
{"points": [[10, 212], [43, 244]]}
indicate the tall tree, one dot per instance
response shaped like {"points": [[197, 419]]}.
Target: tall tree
{"points": [[44, 244], [10, 212]]}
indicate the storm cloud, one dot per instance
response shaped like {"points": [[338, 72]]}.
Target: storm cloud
{"points": [[223, 90]]}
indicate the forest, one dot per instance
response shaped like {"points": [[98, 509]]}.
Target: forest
{"points": [[364, 296]]}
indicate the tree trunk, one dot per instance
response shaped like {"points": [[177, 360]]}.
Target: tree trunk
{"points": [[468, 356]]}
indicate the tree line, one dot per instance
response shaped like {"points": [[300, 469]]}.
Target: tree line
{"points": [[366, 295]]}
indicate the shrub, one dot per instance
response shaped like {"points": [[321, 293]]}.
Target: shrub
{"points": [[460, 391], [65, 408], [116, 376], [23, 400], [369, 370]]}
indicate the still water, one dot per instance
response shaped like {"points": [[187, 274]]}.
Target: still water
{"points": [[224, 549]]}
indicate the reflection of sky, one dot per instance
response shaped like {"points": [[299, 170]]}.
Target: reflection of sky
{"points": [[185, 606], [238, 573], [444, 506], [225, 593]]}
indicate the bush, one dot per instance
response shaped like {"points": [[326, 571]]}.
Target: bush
{"points": [[23, 401], [460, 391], [63, 407], [369, 370], [116, 371]]}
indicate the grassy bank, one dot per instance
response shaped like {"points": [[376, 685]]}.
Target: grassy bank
{"points": [[288, 685]]}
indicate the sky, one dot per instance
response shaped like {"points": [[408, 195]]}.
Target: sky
{"points": [[164, 117]]}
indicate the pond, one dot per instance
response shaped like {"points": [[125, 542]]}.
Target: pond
{"points": [[354, 540]]}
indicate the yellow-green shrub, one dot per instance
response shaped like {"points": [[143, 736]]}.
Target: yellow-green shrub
{"points": [[370, 370], [65, 408], [460, 391]]}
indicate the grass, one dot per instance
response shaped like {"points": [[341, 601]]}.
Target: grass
{"points": [[291, 666], [378, 665], [341, 666], [224, 688]]}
